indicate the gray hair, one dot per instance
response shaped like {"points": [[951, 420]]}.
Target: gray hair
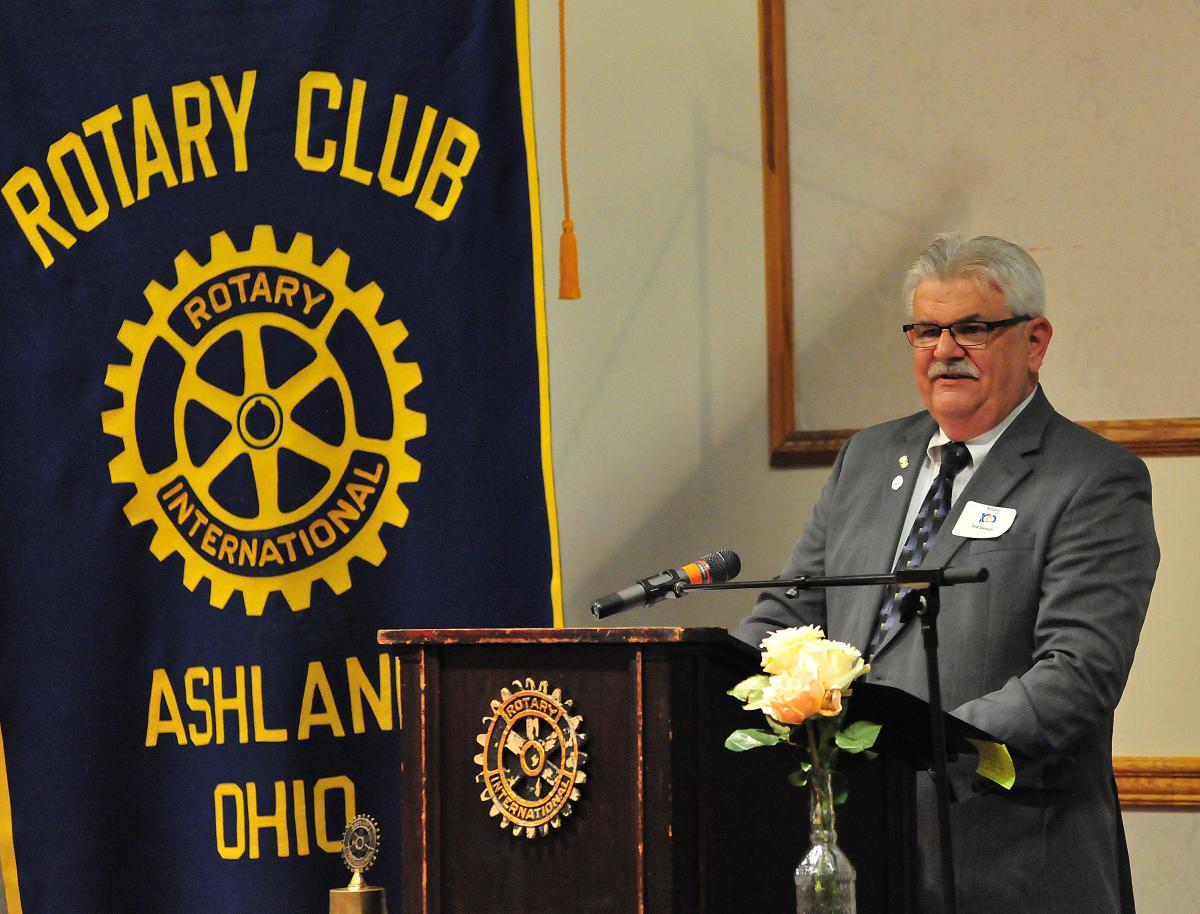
{"points": [[984, 259]]}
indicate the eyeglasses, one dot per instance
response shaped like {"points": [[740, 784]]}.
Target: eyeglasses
{"points": [[968, 334]]}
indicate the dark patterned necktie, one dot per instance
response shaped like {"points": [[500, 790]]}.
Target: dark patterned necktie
{"points": [[932, 514]]}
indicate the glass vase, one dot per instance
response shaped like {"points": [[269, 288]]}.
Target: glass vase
{"points": [[824, 877]]}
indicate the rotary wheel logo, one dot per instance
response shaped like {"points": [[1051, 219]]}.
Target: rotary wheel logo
{"points": [[530, 762], [263, 421], [360, 844]]}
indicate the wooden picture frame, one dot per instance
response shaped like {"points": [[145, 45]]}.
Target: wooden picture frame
{"points": [[790, 446]]}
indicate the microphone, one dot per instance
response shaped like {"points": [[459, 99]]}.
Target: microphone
{"points": [[715, 568]]}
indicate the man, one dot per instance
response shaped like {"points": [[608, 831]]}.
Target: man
{"points": [[1037, 656]]}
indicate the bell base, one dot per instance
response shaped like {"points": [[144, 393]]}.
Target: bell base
{"points": [[366, 900]]}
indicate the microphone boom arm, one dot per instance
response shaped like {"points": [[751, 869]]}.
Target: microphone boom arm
{"points": [[912, 578]]}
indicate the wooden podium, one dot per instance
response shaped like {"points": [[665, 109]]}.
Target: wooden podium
{"points": [[498, 724]]}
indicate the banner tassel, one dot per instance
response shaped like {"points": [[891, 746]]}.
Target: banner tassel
{"points": [[568, 247], [568, 263]]}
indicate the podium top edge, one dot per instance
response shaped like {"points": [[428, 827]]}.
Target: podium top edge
{"points": [[598, 635]]}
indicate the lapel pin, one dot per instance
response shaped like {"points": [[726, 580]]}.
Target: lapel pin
{"points": [[904, 461], [897, 483]]}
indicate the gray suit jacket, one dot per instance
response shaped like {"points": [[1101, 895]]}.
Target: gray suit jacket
{"points": [[1038, 656]]}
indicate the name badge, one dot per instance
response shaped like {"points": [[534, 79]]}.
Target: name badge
{"points": [[981, 522]]}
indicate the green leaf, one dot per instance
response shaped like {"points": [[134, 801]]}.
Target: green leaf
{"points": [[799, 778], [750, 689], [841, 787], [858, 736], [741, 740]]}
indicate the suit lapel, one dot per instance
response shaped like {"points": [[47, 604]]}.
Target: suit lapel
{"points": [[881, 539], [1006, 465], [894, 506]]}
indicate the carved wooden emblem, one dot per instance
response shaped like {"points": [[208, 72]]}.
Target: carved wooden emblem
{"points": [[530, 763]]}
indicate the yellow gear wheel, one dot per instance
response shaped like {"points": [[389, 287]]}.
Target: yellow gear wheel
{"points": [[296, 464]]}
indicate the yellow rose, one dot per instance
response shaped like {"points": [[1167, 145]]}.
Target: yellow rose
{"points": [[808, 674], [782, 647], [793, 699], [838, 664]]}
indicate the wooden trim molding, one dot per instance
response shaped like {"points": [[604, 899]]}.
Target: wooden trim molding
{"points": [[789, 446], [1158, 781], [1145, 437], [1152, 437]]}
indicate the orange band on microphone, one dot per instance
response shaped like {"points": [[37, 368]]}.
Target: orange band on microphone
{"points": [[697, 572]]}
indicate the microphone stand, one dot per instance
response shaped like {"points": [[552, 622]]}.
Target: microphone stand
{"points": [[924, 600]]}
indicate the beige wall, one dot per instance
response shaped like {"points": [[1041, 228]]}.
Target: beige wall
{"points": [[658, 377]]}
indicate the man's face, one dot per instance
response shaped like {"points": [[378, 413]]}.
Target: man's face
{"points": [[969, 391]]}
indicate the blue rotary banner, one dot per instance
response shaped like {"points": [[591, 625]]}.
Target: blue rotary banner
{"points": [[275, 378]]}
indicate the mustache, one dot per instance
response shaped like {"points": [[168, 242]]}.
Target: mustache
{"points": [[960, 367]]}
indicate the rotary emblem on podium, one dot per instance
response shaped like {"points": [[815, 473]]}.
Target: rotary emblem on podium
{"points": [[530, 763]]}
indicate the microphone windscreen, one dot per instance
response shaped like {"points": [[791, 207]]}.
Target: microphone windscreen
{"points": [[724, 565]]}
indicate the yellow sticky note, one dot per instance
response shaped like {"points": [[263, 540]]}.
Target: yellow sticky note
{"points": [[995, 763]]}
